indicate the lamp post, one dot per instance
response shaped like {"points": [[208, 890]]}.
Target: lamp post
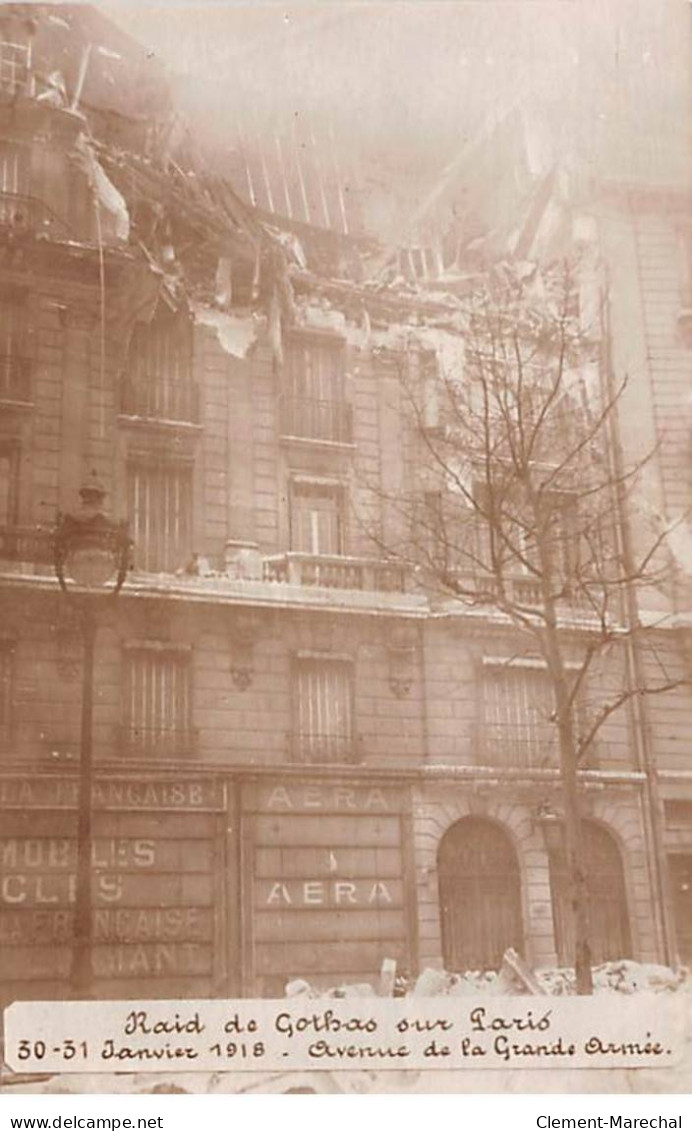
{"points": [[91, 557]]}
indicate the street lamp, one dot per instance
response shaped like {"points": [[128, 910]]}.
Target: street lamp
{"points": [[91, 557]]}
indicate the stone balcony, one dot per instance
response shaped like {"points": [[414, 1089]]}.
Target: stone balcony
{"points": [[335, 572]]}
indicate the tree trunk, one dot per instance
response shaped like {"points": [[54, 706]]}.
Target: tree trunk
{"points": [[579, 896]]}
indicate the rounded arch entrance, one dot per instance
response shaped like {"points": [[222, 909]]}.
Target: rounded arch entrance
{"points": [[609, 927], [480, 895]]}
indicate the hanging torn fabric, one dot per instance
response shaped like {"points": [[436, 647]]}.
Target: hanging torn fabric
{"points": [[115, 219]]}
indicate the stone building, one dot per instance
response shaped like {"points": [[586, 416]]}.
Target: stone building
{"points": [[304, 766]]}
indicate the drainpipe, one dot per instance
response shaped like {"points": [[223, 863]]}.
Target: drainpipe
{"points": [[642, 730]]}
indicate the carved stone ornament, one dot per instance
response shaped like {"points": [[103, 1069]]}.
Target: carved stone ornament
{"points": [[242, 635], [242, 677], [401, 687], [400, 642]]}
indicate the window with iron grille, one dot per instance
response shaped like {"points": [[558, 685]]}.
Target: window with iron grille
{"points": [[160, 512], [6, 660], [516, 542], [517, 709], [313, 403], [157, 707], [316, 518], [14, 363], [9, 483], [323, 690], [14, 185], [158, 383], [14, 66]]}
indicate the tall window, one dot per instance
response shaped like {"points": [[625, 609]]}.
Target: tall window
{"points": [[6, 651], [9, 483], [160, 509], [14, 185], [14, 366], [324, 710], [14, 67], [517, 708], [313, 404], [157, 701], [158, 382], [317, 519], [516, 543]]}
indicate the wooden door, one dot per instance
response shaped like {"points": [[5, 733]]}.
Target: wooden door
{"points": [[609, 930], [480, 895]]}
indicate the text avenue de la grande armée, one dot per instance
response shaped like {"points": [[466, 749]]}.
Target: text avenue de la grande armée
{"points": [[349, 1034]]}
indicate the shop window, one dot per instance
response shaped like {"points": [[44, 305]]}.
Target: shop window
{"points": [[609, 932], [160, 512], [480, 895], [157, 708], [313, 404], [323, 692], [317, 519]]}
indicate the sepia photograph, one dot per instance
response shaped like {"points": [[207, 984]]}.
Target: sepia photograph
{"points": [[346, 547]]}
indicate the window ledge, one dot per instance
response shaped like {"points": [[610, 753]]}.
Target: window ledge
{"points": [[16, 404], [322, 445], [159, 424]]}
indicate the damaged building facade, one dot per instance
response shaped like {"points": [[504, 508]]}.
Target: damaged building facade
{"points": [[305, 764]]}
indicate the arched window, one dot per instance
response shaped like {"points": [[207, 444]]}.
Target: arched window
{"points": [[609, 930], [480, 895], [158, 381]]}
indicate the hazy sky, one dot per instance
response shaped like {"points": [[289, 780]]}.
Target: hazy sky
{"points": [[404, 85]]}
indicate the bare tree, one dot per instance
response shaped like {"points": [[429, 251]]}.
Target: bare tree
{"points": [[517, 504]]}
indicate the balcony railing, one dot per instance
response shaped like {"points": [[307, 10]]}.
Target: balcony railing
{"points": [[26, 544], [157, 742], [335, 572], [324, 748], [15, 378], [26, 215], [310, 419], [156, 399]]}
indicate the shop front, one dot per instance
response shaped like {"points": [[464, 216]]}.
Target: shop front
{"points": [[159, 898], [328, 880]]}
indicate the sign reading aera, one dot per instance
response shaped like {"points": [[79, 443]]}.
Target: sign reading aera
{"points": [[310, 797]]}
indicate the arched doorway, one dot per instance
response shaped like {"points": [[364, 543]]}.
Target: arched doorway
{"points": [[609, 929], [480, 895]]}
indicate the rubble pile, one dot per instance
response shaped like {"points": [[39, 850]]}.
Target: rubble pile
{"points": [[623, 976]]}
